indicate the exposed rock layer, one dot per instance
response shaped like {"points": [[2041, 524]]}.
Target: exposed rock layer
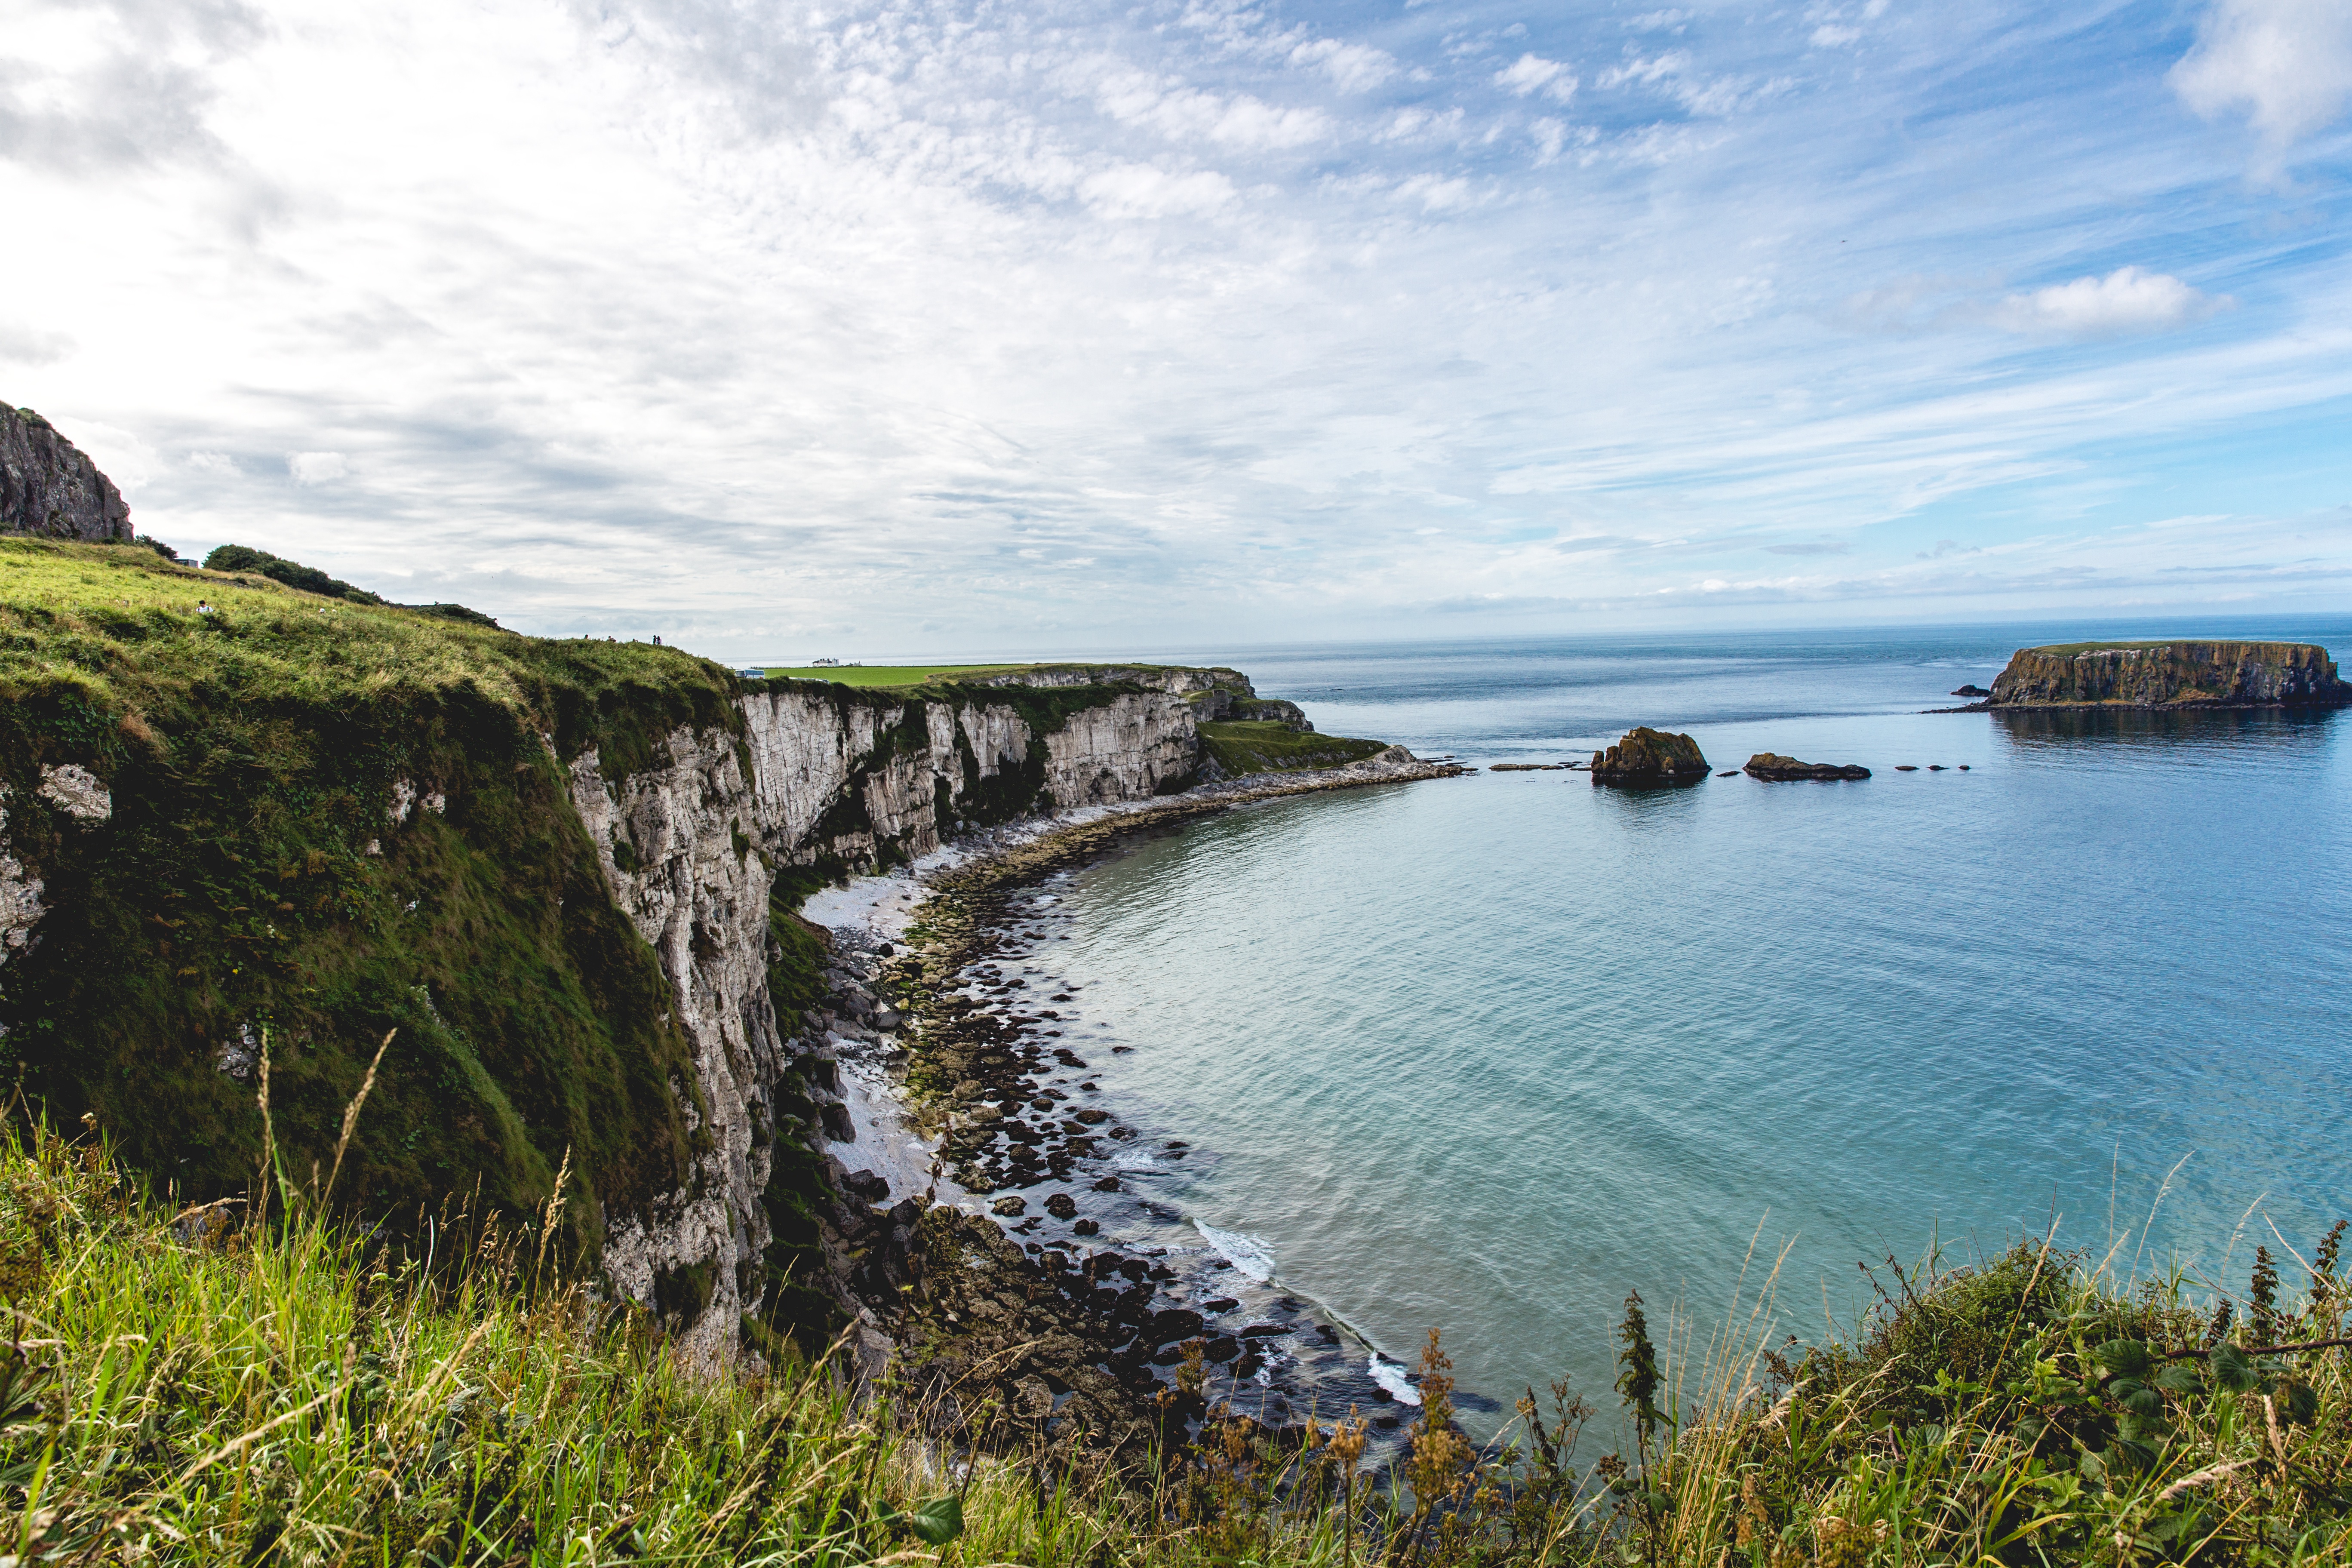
{"points": [[47, 486], [2171, 675], [1647, 757]]}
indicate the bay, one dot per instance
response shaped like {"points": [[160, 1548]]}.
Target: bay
{"points": [[1486, 1054]]}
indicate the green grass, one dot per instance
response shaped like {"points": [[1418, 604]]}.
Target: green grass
{"points": [[250, 881], [214, 1391], [887, 675], [1264, 745], [2065, 650], [896, 677]]}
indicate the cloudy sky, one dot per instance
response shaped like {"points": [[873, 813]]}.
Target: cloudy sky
{"points": [[884, 327]]}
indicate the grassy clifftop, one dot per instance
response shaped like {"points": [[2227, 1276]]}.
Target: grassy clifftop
{"points": [[256, 877]]}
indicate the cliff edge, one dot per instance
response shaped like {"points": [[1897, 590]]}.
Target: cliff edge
{"points": [[2171, 675], [47, 486]]}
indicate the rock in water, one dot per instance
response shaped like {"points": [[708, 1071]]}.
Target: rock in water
{"points": [[1647, 757], [1774, 768], [48, 487], [2171, 675], [1972, 690]]}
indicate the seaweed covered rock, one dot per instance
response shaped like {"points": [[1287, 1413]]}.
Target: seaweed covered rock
{"points": [[1647, 757], [48, 486], [2171, 675], [1774, 768]]}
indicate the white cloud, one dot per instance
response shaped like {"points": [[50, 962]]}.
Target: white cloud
{"points": [[318, 468], [1140, 190], [1639, 70], [1353, 67], [736, 315], [30, 346], [1531, 73], [2128, 300], [2288, 63]]}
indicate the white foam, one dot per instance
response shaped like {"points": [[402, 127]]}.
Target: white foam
{"points": [[1133, 1160], [1390, 1377], [1248, 1254]]}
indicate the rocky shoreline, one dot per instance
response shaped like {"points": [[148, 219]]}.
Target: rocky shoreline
{"points": [[1011, 1272]]}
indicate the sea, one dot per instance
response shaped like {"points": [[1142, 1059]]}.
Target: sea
{"points": [[1487, 1055]]}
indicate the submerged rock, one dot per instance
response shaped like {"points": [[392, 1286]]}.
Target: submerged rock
{"points": [[1774, 768], [1647, 757]]}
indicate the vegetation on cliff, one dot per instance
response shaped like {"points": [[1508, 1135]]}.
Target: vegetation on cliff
{"points": [[207, 1388], [1268, 746], [329, 820]]}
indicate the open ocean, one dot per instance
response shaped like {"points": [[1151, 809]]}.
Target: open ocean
{"points": [[1488, 1052]]}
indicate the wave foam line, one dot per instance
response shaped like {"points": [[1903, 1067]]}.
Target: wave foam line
{"points": [[1249, 1255]]}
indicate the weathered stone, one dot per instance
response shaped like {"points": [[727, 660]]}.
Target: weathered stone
{"points": [[1010, 1207], [47, 486], [1061, 1205], [1774, 768], [2171, 675], [1647, 757]]}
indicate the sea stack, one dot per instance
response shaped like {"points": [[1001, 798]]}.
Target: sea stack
{"points": [[2171, 675], [1647, 757]]}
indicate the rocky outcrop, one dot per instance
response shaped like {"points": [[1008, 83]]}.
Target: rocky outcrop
{"points": [[48, 487], [2171, 675], [1774, 768], [832, 779], [1647, 757]]}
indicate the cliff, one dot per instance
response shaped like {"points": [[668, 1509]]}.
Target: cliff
{"points": [[564, 872], [47, 486], [2171, 675]]}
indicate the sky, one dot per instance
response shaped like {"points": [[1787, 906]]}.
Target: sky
{"points": [[872, 330]]}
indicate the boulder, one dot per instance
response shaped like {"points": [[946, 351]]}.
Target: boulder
{"points": [[1061, 1205], [1970, 691], [1647, 757], [1774, 768]]}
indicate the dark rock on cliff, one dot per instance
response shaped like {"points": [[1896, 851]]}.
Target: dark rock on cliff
{"points": [[48, 487], [2171, 675], [1647, 757], [1774, 768]]}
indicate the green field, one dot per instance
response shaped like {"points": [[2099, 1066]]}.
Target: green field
{"points": [[887, 675], [1265, 746], [2068, 649]]}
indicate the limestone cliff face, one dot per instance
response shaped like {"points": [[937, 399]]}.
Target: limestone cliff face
{"points": [[2171, 675], [828, 777], [48, 487]]}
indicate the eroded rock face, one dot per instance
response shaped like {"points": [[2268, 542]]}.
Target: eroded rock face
{"points": [[690, 848], [1647, 757], [49, 487], [2171, 675]]}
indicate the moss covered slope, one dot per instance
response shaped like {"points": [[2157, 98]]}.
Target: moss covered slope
{"points": [[329, 820]]}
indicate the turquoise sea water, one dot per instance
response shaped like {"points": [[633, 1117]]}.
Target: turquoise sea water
{"points": [[1487, 1053]]}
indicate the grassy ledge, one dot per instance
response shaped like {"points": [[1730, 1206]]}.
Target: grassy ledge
{"points": [[1265, 746]]}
